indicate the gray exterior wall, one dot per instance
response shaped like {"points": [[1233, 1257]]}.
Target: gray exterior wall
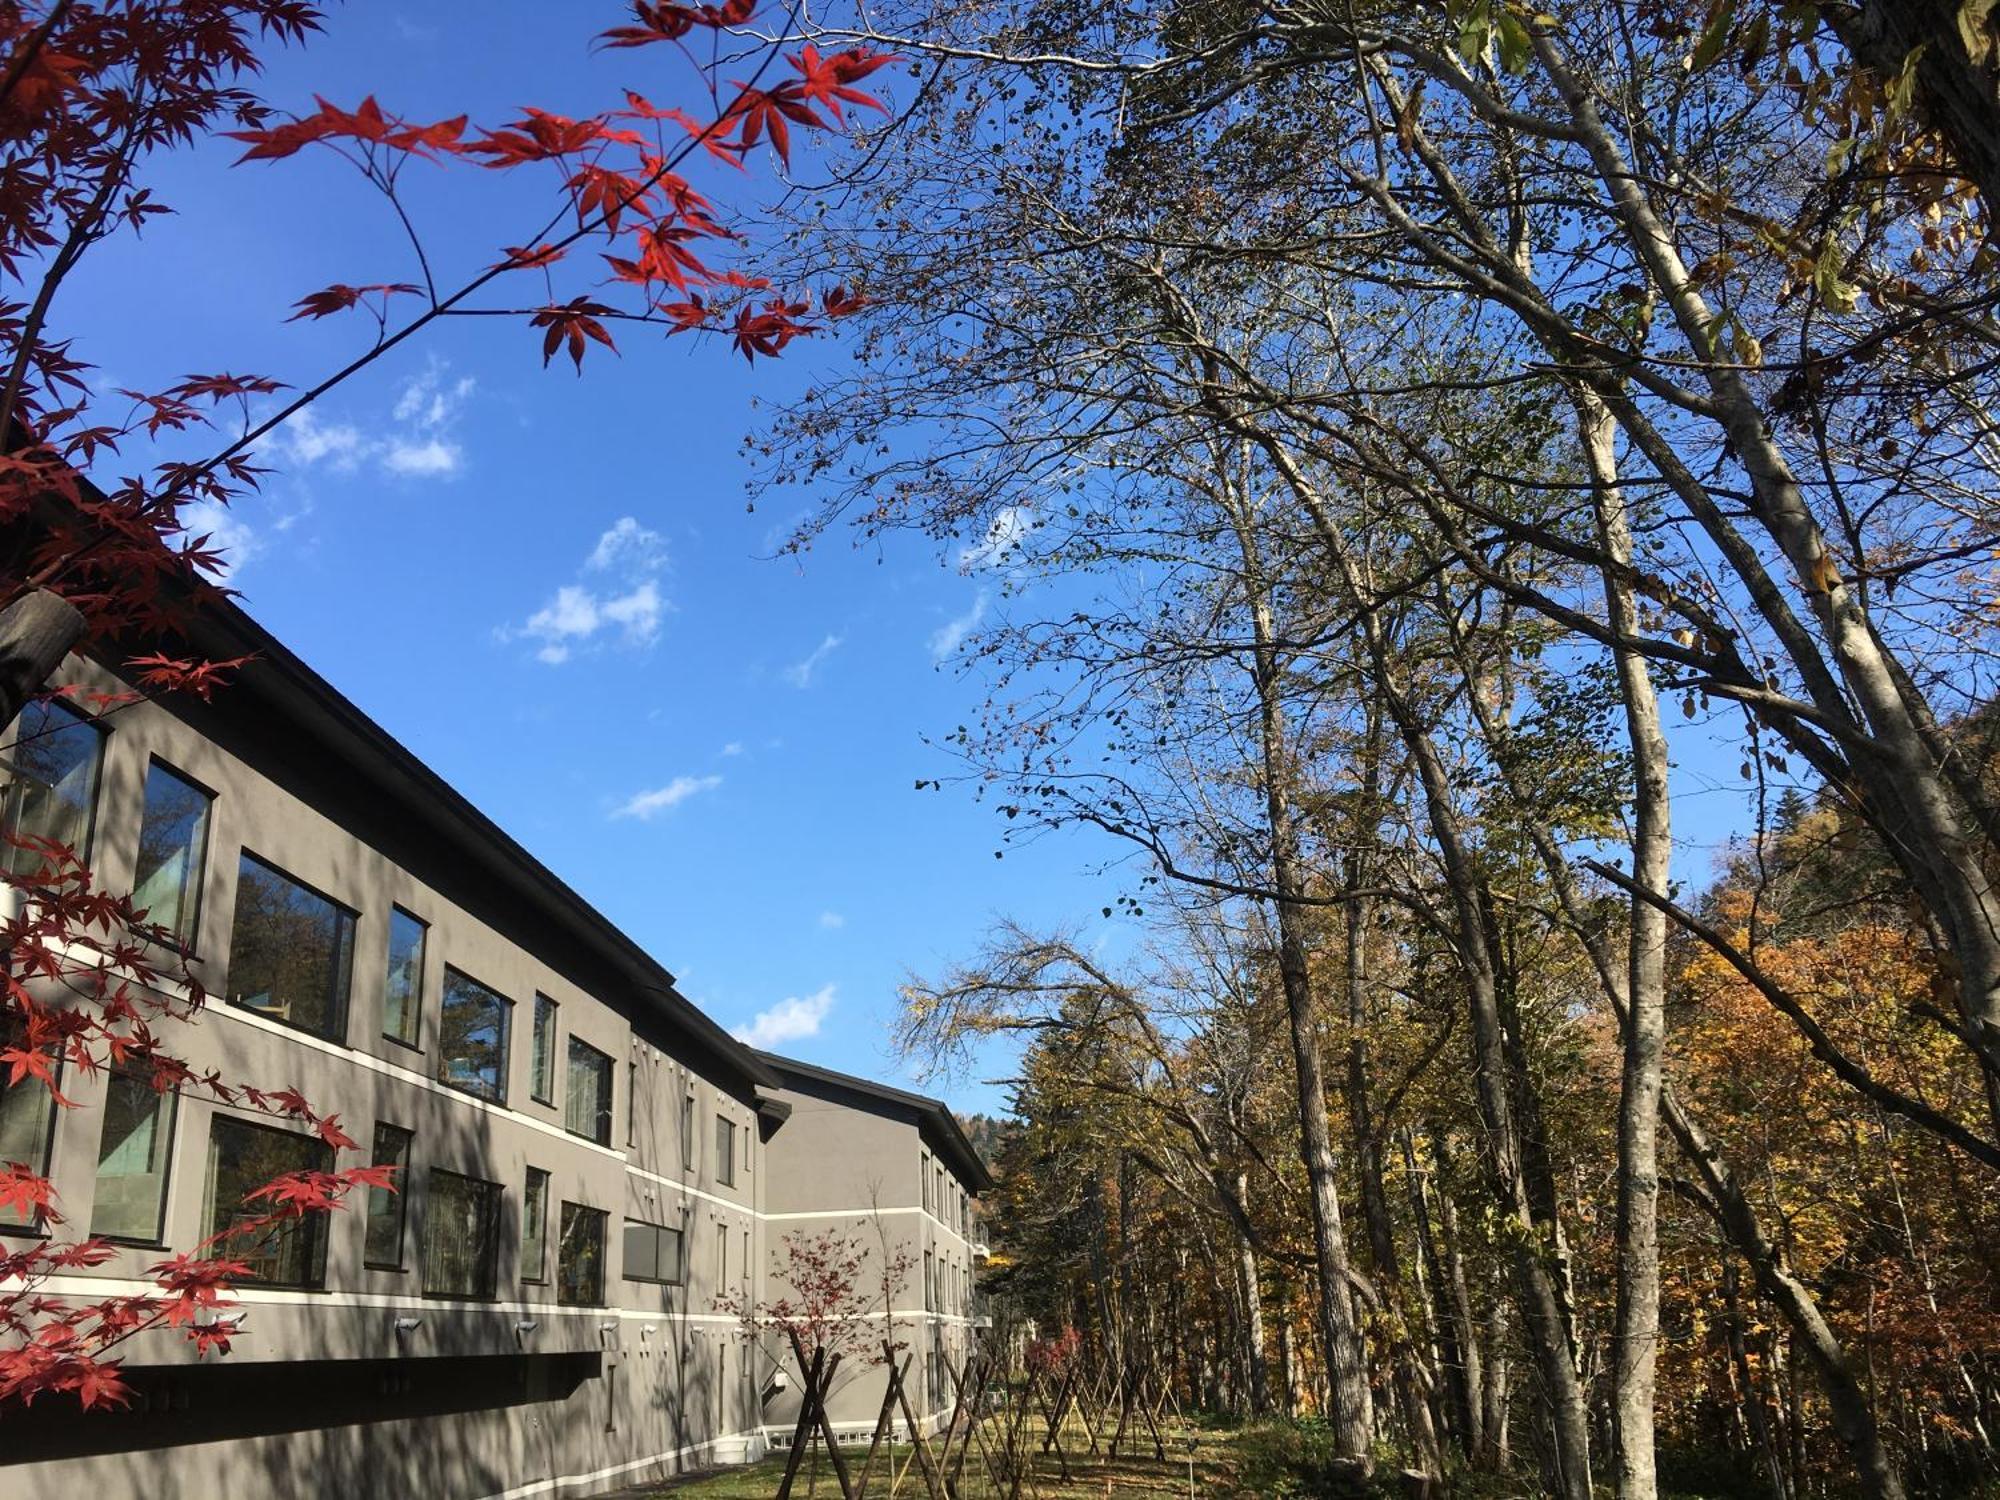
{"points": [[852, 1160], [561, 1398]]}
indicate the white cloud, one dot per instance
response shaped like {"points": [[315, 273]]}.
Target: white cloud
{"points": [[429, 459], [790, 1020], [832, 920], [630, 544], [1001, 546], [629, 609], [948, 637], [416, 442], [303, 439], [734, 747], [227, 533], [646, 805], [800, 673]]}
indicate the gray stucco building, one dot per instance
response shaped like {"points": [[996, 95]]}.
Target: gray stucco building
{"points": [[596, 1174]]}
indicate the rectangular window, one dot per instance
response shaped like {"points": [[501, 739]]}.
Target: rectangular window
{"points": [[461, 1235], [387, 1207], [925, 1177], [132, 1158], [687, 1131], [632, 1104], [243, 1157], [580, 1256], [403, 993], [173, 847], [535, 1228], [721, 1261], [291, 952], [542, 1052], [27, 1125], [472, 1038], [725, 1150], [56, 756], [587, 1106], [652, 1253]]}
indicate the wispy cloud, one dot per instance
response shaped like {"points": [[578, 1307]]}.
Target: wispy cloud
{"points": [[228, 534], [948, 637], [624, 606], [800, 673], [733, 748], [832, 921], [647, 805], [790, 1020], [415, 442], [1001, 545]]}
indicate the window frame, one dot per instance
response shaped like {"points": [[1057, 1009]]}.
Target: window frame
{"points": [[186, 943], [543, 1090], [158, 1238], [603, 1217], [533, 1178], [401, 1197], [344, 1006], [318, 1220], [11, 854], [690, 1112], [725, 1131], [660, 1231], [605, 1106], [415, 1043], [38, 1227], [495, 1217], [499, 1097]]}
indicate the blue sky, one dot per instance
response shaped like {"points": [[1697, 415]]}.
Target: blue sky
{"points": [[549, 587]]}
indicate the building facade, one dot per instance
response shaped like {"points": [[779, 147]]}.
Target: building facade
{"points": [[554, 1301]]}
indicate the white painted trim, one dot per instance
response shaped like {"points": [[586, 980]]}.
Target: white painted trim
{"points": [[374, 1064], [842, 1213], [571, 1481], [693, 1192]]}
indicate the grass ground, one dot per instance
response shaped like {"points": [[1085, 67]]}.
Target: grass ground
{"points": [[1214, 1474]]}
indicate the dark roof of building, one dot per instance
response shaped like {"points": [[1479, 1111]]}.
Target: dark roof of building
{"points": [[939, 1125], [321, 745]]}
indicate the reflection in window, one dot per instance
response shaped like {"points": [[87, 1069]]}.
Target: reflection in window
{"points": [[403, 995], [472, 1038], [725, 1150], [56, 755], [243, 1157], [461, 1235], [173, 843], [27, 1127], [132, 1160], [291, 951], [652, 1253], [542, 1051], [535, 1227], [580, 1256], [387, 1207], [587, 1106]]}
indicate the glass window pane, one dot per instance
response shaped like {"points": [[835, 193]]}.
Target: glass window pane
{"points": [[27, 1122], [687, 1132], [588, 1104], [132, 1159], [56, 754], [386, 1208], [535, 1227], [461, 1235], [580, 1256], [472, 1044], [291, 951], [173, 843], [725, 1150], [642, 1251], [243, 1157], [543, 1056], [403, 997]]}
